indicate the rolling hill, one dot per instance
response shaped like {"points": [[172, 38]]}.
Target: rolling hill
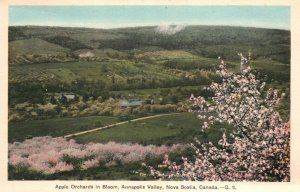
{"points": [[208, 41], [66, 80], [57, 58]]}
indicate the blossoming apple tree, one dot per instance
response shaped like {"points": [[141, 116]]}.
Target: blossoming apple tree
{"points": [[256, 150], [50, 155]]}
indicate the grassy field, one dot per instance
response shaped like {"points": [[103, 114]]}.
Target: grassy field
{"points": [[34, 45], [135, 51], [121, 69], [134, 63], [18, 131], [176, 128], [118, 172]]}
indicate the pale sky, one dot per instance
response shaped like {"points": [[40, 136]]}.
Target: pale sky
{"points": [[124, 16]]}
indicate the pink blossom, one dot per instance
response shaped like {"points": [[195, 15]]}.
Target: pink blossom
{"points": [[47, 154], [259, 149], [90, 163]]}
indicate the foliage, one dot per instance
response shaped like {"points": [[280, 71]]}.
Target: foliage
{"points": [[88, 108], [259, 147]]}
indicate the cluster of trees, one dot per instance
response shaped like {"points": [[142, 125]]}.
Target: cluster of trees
{"points": [[25, 111], [37, 92], [90, 99], [174, 96], [187, 65], [67, 42], [144, 83], [15, 33], [271, 77], [25, 91], [51, 155], [42, 58]]}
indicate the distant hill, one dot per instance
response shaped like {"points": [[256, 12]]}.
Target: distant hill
{"points": [[100, 62], [206, 41]]}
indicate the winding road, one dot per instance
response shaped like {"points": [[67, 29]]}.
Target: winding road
{"points": [[116, 124]]}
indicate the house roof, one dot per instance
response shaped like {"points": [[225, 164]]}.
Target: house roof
{"points": [[129, 103]]}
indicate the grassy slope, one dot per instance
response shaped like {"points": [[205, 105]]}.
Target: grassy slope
{"points": [[99, 70], [151, 50], [193, 44], [18, 131], [177, 128], [34, 45]]}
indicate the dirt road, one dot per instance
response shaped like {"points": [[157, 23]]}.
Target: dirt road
{"points": [[116, 124]]}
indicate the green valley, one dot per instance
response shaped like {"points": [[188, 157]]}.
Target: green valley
{"points": [[66, 80]]}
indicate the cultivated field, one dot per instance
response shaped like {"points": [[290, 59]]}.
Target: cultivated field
{"points": [[68, 80]]}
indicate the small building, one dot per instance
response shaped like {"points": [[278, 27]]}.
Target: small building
{"points": [[70, 96], [66, 97], [130, 103], [86, 55]]}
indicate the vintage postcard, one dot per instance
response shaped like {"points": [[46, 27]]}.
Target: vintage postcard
{"points": [[153, 96]]}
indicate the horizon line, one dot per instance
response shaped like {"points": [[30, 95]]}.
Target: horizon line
{"points": [[136, 26]]}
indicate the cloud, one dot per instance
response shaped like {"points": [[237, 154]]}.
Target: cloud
{"points": [[166, 29]]}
